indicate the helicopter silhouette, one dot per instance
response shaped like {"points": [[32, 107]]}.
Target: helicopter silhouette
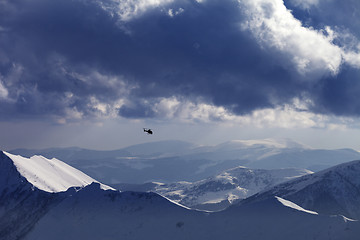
{"points": [[148, 131]]}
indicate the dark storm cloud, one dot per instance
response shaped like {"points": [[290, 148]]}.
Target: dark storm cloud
{"points": [[329, 13], [338, 95], [58, 55], [46, 42], [137, 109]]}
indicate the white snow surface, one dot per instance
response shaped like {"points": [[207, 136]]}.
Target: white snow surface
{"points": [[92, 214], [231, 185], [292, 205], [333, 191], [51, 175]]}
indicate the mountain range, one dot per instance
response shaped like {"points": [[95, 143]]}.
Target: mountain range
{"points": [[30, 211], [218, 192], [173, 161], [332, 191]]}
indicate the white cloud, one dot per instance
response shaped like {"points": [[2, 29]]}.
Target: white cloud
{"points": [[305, 4], [274, 26], [128, 9], [173, 13], [8, 82], [3, 91], [311, 51], [353, 58], [187, 111], [290, 116]]}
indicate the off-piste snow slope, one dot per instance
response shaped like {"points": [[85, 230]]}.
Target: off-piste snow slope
{"points": [[29, 187], [332, 191], [50, 175], [218, 192], [97, 212]]}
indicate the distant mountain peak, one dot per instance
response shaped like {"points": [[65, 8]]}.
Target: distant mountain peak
{"points": [[268, 142], [168, 147]]}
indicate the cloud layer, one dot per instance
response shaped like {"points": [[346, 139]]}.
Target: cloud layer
{"points": [[162, 59]]}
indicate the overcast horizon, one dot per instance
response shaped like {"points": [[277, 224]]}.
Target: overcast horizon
{"points": [[93, 73]]}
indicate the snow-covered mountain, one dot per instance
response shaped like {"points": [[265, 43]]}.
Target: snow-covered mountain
{"points": [[172, 161], [96, 214], [50, 175], [21, 204], [332, 191], [218, 192], [91, 212], [27, 187]]}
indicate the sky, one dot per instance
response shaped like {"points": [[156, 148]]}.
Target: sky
{"points": [[93, 73]]}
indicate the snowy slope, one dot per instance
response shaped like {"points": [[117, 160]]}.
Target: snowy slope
{"points": [[332, 191], [21, 204], [292, 205], [29, 187], [50, 175], [216, 193], [92, 213]]}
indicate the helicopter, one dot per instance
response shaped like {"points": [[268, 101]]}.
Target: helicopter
{"points": [[148, 131]]}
